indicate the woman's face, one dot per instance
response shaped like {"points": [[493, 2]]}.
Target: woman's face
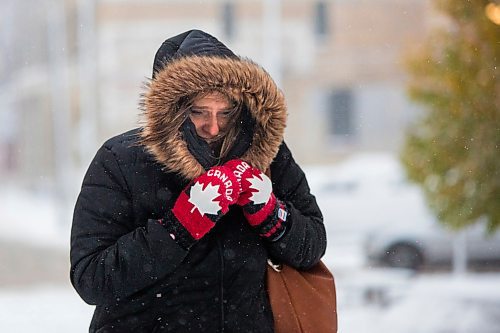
{"points": [[211, 115]]}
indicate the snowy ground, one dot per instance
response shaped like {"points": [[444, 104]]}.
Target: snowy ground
{"points": [[46, 308], [35, 295]]}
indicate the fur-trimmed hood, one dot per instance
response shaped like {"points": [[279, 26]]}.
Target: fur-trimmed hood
{"points": [[190, 71]]}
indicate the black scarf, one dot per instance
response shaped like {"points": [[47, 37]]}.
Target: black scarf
{"points": [[206, 155]]}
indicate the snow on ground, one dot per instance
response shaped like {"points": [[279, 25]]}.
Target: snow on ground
{"points": [[464, 304], [51, 309], [370, 299], [432, 303], [33, 218], [426, 304]]}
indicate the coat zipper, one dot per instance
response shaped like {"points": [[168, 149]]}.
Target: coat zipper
{"points": [[221, 254]]}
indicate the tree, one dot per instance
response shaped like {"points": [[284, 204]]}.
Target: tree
{"points": [[453, 151]]}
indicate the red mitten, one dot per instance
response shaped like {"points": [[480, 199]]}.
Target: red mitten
{"points": [[202, 203], [261, 208]]}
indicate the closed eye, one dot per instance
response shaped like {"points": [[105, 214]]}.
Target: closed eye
{"points": [[196, 112], [226, 113], [200, 113]]}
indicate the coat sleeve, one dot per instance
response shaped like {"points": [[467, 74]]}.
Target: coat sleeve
{"points": [[110, 259], [304, 241]]}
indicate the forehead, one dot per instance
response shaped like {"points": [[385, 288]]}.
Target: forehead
{"points": [[211, 98]]}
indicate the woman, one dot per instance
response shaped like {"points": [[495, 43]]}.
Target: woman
{"points": [[175, 220]]}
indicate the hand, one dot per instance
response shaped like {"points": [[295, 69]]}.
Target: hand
{"points": [[205, 200], [260, 206]]}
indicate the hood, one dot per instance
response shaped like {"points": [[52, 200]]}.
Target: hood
{"points": [[193, 62]]}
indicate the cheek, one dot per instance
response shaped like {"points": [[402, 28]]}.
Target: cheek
{"points": [[197, 124], [224, 126]]}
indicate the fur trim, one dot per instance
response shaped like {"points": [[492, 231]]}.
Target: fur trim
{"points": [[246, 81]]}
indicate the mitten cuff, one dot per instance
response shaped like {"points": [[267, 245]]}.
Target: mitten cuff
{"points": [[274, 226], [177, 231], [256, 215]]}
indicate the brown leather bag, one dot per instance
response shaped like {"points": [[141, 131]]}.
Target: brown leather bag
{"points": [[302, 301]]}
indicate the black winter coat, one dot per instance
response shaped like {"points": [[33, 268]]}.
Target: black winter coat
{"points": [[124, 261]]}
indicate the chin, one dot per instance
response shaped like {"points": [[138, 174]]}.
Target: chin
{"points": [[213, 140]]}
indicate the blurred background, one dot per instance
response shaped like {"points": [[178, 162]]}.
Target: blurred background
{"points": [[393, 113]]}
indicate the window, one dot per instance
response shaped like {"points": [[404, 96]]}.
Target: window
{"points": [[341, 113], [321, 19], [228, 19]]}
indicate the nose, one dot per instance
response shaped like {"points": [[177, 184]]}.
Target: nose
{"points": [[212, 126]]}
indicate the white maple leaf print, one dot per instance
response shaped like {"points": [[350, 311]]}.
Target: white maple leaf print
{"points": [[263, 187], [203, 199]]}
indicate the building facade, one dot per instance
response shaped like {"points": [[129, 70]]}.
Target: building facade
{"points": [[80, 77], [338, 62]]}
